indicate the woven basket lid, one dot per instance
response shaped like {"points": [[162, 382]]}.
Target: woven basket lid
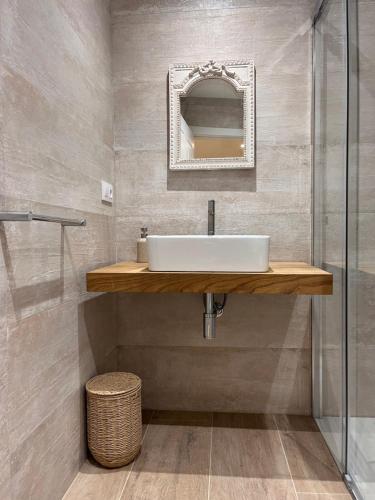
{"points": [[113, 383]]}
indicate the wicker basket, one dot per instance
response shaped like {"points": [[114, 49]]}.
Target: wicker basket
{"points": [[114, 419]]}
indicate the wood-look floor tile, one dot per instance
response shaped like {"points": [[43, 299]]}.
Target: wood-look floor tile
{"points": [[229, 488], [311, 464], [173, 463], [96, 483], [247, 460], [323, 496]]}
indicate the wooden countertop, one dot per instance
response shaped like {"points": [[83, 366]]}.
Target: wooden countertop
{"points": [[282, 278]]}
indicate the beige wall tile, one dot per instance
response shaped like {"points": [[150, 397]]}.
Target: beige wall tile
{"points": [[332, 403], [46, 265], [4, 390], [247, 322], [272, 199], [54, 448], [57, 145], [57, 337], [122, 7], [221, 379], [52, 154], [283, 168], [361, 366], [43, 161], [97, 336], [366, 178], [56, 112], [42, 368], [363, 282], [366, 243], [210, 180], [290, 233], [136, 171], [228, 204]]}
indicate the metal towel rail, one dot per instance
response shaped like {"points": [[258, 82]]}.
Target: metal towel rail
{"points": [[29, 216]]}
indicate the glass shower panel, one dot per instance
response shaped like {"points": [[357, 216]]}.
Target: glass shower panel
{"points": [[329, 251], [361, 250]]}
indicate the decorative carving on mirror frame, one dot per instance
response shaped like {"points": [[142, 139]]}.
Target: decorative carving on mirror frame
{"points": [[182, 77], [212, 68]]}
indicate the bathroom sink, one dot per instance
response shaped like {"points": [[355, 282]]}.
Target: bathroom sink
{"points": [[226, 253]]}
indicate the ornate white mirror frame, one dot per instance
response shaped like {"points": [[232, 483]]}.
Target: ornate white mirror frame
{"points": [[182, 77]]}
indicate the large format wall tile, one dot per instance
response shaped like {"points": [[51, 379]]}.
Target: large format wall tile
{"points": [[221, 378], [44, 465], [290, 233], [56, 107], [45, 264], [273, 199], [141, 6], [4, 434], [57, 134], [56, 144], [42, 361], [246, 322]]}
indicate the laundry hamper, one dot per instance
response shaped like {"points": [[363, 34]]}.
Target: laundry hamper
{"points": [[114, 418]]}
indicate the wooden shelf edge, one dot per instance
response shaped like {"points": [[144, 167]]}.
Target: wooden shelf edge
{"points": [[291, 278]]}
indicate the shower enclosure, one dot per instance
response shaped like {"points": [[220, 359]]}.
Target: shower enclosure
{"points": [[343, 325]]}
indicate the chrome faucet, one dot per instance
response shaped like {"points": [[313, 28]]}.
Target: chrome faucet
{"points": [[211, 218], [209, 315], [212, 309]]}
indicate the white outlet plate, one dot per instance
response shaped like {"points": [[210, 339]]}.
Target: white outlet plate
{"points": [[107, 192]]}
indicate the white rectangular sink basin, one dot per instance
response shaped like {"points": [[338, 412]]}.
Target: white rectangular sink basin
{"points": [[219, 253]]}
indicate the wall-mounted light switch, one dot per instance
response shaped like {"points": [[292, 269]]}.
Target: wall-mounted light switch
{"points": [[107, 192]]}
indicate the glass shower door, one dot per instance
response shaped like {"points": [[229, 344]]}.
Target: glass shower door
{"points": [[343, 325], [361, 250], [329, 249]]}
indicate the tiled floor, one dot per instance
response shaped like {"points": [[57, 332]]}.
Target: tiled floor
{"points": [[194, 456]]}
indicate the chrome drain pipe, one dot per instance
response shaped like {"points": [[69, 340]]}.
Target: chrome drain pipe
{"points": [[212, 311], [209, 316]]}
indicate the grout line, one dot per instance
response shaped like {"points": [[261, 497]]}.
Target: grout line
{"points": [[127, 477], [286, 458], [131, 468], [210, 461]]}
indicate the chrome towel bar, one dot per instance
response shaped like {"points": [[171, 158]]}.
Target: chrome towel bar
{"points": [[29, 216]]}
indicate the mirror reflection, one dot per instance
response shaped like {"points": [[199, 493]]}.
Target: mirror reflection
{"points": [[212, 121]]}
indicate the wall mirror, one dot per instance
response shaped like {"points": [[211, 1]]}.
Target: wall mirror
{"points": [[211, 115]]}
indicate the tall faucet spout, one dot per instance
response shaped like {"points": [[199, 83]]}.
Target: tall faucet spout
{"points": [[210, 314], [211, 218]]}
